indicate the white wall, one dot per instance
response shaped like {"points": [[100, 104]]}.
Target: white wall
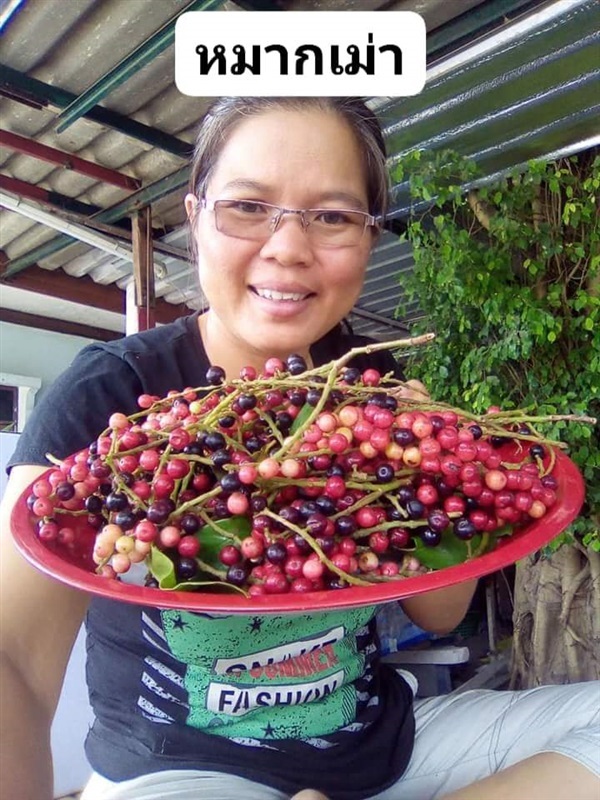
{"points": [[43, 354], [37, 353]]}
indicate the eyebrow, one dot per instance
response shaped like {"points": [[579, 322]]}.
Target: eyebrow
{"points": [[335, 196]]}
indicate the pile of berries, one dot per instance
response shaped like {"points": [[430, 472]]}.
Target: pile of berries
{"points": [[294, 480]]}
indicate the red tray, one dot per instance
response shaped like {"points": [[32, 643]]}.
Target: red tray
{"points": [[77, 569]]}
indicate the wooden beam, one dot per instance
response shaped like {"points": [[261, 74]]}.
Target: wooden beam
{"points": [[29, 147], [58, 325], [142, 316], [56, 283]]}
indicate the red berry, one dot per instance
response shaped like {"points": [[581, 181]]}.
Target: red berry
{"points": [[276, 583], [379, 541], [188, 547], [371, 377], [229, 554]]}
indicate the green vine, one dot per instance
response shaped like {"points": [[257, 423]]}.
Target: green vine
{"points": [[508, 277]]}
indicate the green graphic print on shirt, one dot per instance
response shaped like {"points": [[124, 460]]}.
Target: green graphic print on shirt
{"points": [[291, 678]]}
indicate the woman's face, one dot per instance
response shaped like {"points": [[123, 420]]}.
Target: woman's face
{"points": [[279, 295]]}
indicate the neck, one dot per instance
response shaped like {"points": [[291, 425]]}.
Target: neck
{"points": [[232, 355]]}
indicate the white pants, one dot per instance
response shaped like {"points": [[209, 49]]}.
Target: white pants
{"points": [[460, 738]]}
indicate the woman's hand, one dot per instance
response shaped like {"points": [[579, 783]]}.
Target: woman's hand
{"points": [[309, 794], [412, 390]]}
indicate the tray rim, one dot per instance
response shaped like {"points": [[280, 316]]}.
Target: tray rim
{"points": [[571, 493]]}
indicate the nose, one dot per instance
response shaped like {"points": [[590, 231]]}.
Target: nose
{"points": [[289, 244]]}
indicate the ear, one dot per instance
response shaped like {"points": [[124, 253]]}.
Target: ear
{"points": [[191, 206]]}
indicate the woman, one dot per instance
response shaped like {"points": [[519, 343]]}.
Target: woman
{"points": [[283, 202]]}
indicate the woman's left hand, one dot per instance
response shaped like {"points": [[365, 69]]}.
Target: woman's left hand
{"points": [[412, 390]]}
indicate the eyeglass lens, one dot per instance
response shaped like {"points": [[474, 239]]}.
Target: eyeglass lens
{"points": [[251, 220]]}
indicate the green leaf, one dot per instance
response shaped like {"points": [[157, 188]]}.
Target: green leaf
{"points": [[449, 552], [211, 541], [303, 415], [216, 587], [163, 569]]}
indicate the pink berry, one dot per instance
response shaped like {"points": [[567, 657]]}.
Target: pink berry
{"points": [[237, 503], [313, 569]]}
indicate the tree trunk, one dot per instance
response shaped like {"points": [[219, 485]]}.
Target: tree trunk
{"points": [[557, 618]]}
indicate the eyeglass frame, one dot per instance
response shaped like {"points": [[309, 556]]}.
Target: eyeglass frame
{"points": [[275, 221]]}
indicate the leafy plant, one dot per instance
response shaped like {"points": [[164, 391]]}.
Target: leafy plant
{"points": [[508, 276]]}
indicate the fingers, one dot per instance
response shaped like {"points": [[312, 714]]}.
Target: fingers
{"points": [[413, 390]]}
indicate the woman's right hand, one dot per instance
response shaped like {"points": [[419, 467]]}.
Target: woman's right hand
{"points": [[39, 621]]}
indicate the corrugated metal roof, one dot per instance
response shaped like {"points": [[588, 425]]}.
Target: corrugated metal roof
{"points": [[526, 90]]}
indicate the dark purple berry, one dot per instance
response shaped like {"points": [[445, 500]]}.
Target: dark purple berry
{"points": [[247, 402], [301, 544], [405, 493], [116, 501], [215, 376], [93, 504], [193, 449], [237, 574], [230, 482], [429, 537], [415, 509], [307, 508], [438, 520], [214, 441], [326, 505], [186, 568], [221, 457], [316, 524], [276, 553], [537, 451], [284, 421], [160, 510], [189, 523], [253, 444], [297, 397], [296, 365], [351, 375], [345, 526], [403, 437], [126, 519], [65, 491], [549, 482], [464, 529], [326, 543], [258, 503], [384, 473], [290, 514], [437, 423]]}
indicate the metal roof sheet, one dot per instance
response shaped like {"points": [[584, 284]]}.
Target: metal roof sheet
{"points": [[527, 89]]}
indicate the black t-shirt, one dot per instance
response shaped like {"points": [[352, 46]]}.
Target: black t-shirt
{"points": [[290, 701]]}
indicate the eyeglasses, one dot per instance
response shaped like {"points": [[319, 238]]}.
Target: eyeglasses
{"points": [[325, 227]]}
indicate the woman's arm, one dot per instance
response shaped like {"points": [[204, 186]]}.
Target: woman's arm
{"points": [[39, 621], [440, 611]]}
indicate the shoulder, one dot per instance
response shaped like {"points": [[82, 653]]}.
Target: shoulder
{"points": [[109, 376], [147, 342]]}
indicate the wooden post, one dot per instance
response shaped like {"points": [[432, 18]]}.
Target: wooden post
{"points": [[142, 316]]}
